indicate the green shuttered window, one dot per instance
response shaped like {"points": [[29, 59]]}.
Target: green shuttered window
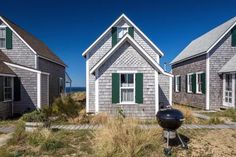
{"points": [[233, 38], [127, 88], [203, 77], [119, 32], [139, 88], [8, 38]]}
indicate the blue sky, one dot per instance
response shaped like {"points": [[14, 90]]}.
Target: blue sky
{"points": [[68, 27]]}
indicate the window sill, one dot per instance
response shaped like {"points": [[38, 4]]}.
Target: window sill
{"points": [[7, 101], [127, 103], [199, 93]]}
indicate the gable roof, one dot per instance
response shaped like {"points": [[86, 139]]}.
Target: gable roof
{"points": [[230, 66], [128, 38], [36, 45], [4, 69], [124, 17], [206, 42]]}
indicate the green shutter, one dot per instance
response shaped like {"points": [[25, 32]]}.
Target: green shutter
{"points": [[203, 78], [115, 88], [194, 83], [139, 88], [131, 31], [114, 36], [1, 88], [17, 89], [186, 83], [8, 38], [233, 37], [179, 83]]}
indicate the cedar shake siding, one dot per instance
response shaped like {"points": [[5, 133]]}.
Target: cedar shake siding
{"points": [[164, 90], [127, 58], [56, 71], [28, 89], [5, 110], [219, 56], [194, 65], [44, 89]]}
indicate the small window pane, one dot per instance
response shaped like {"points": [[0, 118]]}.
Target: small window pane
{"points": [[124, 80], [127, 95], [131, 80], [2, 33]]}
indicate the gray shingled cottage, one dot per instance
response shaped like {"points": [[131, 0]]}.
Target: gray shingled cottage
{"points": [[31, 75], [123, 71], [204, 72]]}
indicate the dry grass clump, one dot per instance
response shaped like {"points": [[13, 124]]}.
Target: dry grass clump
{"points": [[100, 118], [124, 137], [188, 114], [79, 96]]}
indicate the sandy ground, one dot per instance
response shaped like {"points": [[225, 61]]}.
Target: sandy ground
{"points": [[211, 143]]}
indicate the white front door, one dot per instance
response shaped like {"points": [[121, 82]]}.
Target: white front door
{"points": [[228, 90]]}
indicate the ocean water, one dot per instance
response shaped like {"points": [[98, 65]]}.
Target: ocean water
{"points": [[75, 89]]}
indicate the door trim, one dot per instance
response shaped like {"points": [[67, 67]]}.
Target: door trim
{"points": [[233, 91]]}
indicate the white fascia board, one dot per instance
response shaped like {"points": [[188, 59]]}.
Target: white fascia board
{"points": [[26, 68], [222, 36], [128, 38], [18, 36], [157, 49], [7, 75], [113, 24], [101, 36]]}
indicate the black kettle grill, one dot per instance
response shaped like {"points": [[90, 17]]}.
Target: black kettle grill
{"points": [[170, 120]]}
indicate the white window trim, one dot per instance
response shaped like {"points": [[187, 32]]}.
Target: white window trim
{"points": [[189, 74], [127, 102], [122, 27], [197, 85], [4, 87], [176, 86], [4, 47]]}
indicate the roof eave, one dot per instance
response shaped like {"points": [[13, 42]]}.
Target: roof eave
{"points": [[127, 37]]}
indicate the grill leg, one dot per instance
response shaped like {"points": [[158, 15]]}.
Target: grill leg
{"points": [[167, 150], [183, 144]]}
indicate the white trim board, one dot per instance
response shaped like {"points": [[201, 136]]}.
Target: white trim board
{"points": [[123, 16], [128, 38], [26, 68], [156, 92], [38, 90]]}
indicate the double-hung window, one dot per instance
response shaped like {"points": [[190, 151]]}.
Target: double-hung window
{"points": [[127, 88], [190, 83], [7, 88], [177, 83], [199, 82], [2, 37], [121, 31]]}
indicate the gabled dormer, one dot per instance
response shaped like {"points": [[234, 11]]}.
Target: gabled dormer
{"points": [[113, 34]]}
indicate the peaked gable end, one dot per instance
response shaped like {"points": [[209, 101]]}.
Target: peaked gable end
{"points": [[133, 30]]}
